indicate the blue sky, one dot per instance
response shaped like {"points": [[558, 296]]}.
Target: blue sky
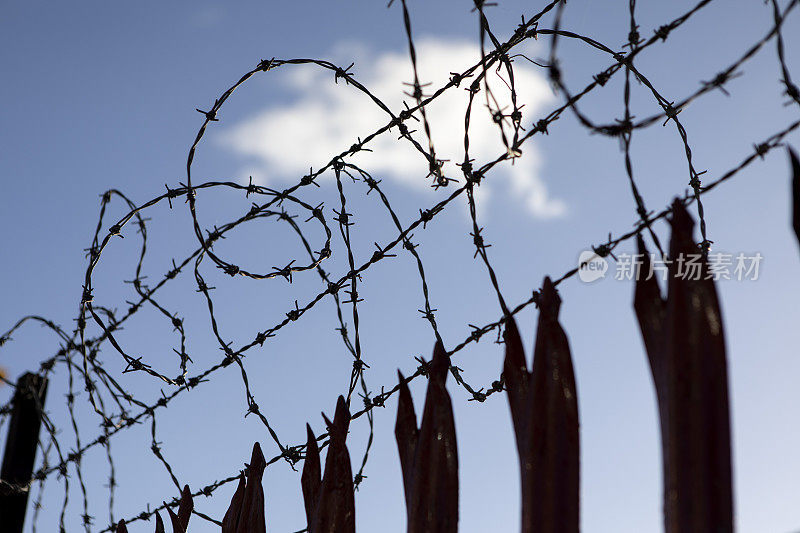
{"points": [[102, 96]]}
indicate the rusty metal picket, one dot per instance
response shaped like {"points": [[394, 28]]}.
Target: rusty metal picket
{"points": [[544, 411], [685, 344]]}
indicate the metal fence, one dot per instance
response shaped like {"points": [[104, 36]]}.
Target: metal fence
{"points": [[685, 344]]}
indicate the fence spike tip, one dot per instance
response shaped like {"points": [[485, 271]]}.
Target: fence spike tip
{"points": [[185, 508], [341, 417], [159, 524], [312, 439], [549, 300], [310, 478], [257, 461], [515, 354], [795, 190], [681, 222], [328, 423], [440, 363], [405, 405]]}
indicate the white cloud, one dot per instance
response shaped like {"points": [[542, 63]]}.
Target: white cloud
{"points": [[326, 118]]}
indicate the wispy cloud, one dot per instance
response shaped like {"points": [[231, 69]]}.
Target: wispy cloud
{"points": [[205, 17], [282, 142]]}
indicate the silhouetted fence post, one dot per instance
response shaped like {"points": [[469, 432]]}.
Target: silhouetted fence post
{"points": [[544, 411], [329, 501], [684, 340], [20, 451], [429, 453]]}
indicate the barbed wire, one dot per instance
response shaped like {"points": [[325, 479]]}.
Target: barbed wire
{"points": [[117, 409]]}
